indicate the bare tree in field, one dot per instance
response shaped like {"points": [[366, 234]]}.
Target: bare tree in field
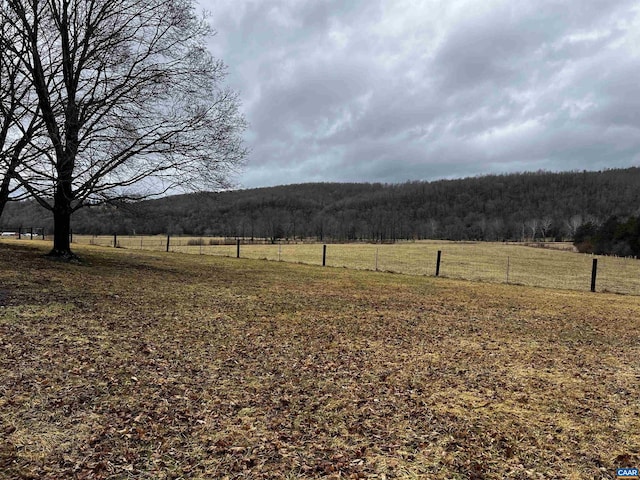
{"points": [[19, 120], [132, 102]]}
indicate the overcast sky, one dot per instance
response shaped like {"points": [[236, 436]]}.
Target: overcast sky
{"points": [[392, 90]]}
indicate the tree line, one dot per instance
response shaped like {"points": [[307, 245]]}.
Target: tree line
{"points": [[615, 236], [526, 206]]}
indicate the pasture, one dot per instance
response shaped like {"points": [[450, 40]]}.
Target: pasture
{"points": [[495, 262], [135, 364]]}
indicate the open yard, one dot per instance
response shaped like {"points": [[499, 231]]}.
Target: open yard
{"points": [[146, 365]]}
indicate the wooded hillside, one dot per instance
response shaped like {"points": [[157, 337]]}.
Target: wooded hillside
{"points": [[492, 207]]}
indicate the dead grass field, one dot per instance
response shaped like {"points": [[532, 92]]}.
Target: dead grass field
{"points": [[493, 262], [143, 365]]}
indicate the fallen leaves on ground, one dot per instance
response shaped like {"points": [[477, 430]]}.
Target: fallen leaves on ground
{"points": [[151, 366]]}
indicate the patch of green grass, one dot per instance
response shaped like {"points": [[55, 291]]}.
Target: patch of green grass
{"points": [[138, 364]]}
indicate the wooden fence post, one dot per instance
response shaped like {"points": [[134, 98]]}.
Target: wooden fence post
{"points": [[237, 248], [115, 240], [594, 271], [168, 241], [324, 255], [508, 269], [438, 263]]}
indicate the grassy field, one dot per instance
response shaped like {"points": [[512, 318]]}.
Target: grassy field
{"points": [[143, 365], [479, 261]]}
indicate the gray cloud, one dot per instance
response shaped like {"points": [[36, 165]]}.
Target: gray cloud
{"points": [[388, 91]]}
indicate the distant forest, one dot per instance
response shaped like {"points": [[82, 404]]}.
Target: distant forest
{"points": [[614, 237], [526, 206]]}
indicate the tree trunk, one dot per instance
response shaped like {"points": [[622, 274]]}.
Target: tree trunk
{"points": [[4, 193], [5, 187], [62, 221], [61, 231]]}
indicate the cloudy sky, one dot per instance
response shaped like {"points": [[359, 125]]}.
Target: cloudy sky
{"points": [[396, 90]]}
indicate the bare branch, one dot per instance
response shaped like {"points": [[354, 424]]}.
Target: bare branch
{"points": [[131, 101]]}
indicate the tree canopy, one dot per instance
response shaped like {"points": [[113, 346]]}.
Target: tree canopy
{"points": [[19, 120]]}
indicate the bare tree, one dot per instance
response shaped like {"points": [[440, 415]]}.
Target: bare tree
{"points": [[573, 223], [498, 227], [532, 226], [483, 225], [132, 102], [19, 120], [545, 226], [433, 227]]}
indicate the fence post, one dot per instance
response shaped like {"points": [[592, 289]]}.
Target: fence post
{"points": [[594, 271], [507, 269], [168, 241], [31, 232], [376, 259], [237, 248], [115, 240], [324, 255], [19, 233], [438, 263]]}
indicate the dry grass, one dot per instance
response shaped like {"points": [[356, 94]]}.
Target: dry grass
{"points": [[521, 264], [141, 365]]}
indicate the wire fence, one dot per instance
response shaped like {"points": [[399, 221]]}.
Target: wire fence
{"points": [[477, 261]]}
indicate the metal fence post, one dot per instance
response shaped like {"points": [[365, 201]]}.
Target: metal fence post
{"points": [[237, 248], [594, 271], [438, 263], [324, 255]]}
